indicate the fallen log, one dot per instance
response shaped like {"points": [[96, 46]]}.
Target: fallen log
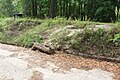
{"points": [[109, 59], [43, 48], [50, 50]]}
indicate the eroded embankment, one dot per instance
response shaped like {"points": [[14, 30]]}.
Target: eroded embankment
{"points": [[91, 39]]}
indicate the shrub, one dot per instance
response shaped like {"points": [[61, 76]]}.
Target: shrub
{"points": [[116, 39]]}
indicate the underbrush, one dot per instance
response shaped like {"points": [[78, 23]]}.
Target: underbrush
{"points": [[23, 31], [13, 31], [83, 36], [90, 40]]}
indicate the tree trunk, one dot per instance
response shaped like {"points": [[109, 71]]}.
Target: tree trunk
{"points": [[34, 8], [53, 8], [69, 8], [27, 8], [66, 9]]}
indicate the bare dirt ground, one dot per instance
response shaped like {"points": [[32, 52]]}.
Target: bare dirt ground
{"points": [[17, 63]]}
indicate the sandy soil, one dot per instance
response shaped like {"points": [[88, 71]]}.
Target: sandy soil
{"points": [[17, 63]]}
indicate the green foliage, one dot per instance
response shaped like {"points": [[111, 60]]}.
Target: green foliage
{"points": [[94, 10], [60, 37], [102, 10], [90, 39], [28, 39], [11, 31], [2, 16], [83, 36], [18, 6], [6, 7], [116, 39], [4, 22]]}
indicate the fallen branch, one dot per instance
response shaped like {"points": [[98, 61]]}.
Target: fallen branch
{"points": [[109, 59]]}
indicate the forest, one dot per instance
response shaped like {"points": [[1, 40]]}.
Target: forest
{"points": [[84, 10]]}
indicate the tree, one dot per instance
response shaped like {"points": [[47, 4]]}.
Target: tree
{"points": [[34, 8], [53, 8], [105, 12], [94, 10], [27, 8], [102, 10]]}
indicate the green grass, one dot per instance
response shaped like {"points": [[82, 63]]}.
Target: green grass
{"points": [[30, 30], [25, 26]]}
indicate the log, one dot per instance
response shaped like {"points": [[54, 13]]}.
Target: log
{"points": [[43, 48], [109, 59], [51, 50]]}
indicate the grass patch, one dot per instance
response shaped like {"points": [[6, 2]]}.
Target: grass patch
{"points": [[28, 39]]}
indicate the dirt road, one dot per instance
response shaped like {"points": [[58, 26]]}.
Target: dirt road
{"points": [[17, 63]]}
